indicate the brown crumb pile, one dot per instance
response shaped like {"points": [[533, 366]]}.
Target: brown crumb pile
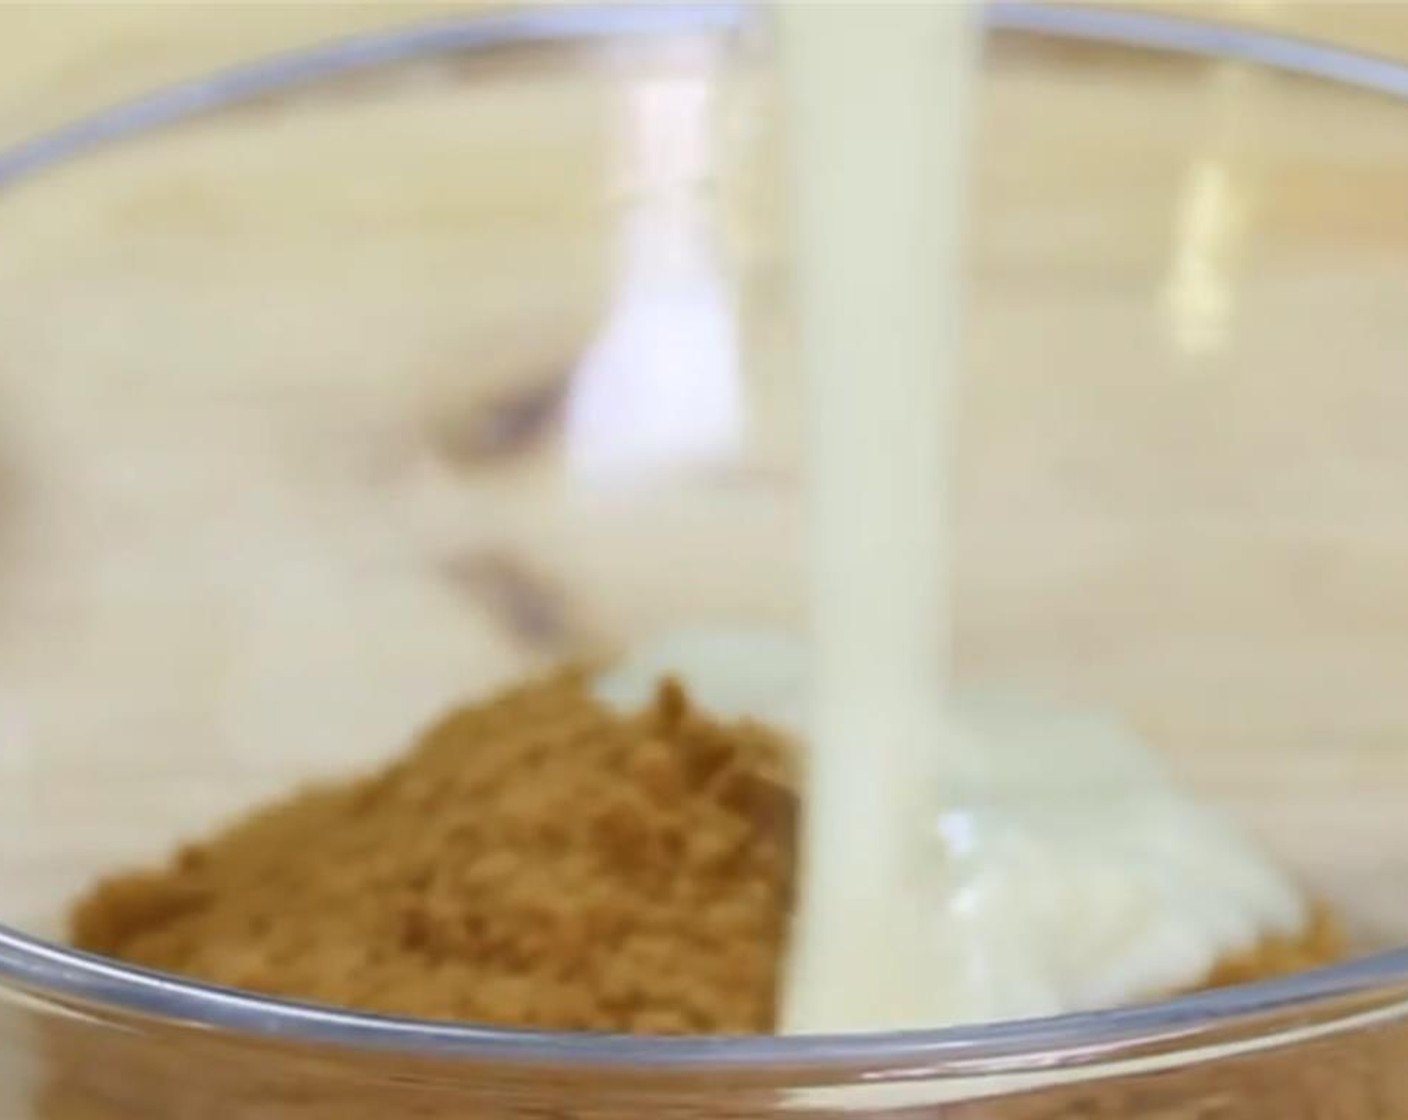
{"points": [[536, 861], [1322, 942]]}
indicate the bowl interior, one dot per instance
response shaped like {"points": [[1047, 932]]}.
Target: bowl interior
{"points": [[325, 411]]}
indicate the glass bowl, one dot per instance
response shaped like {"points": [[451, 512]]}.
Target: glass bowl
{"points": [[349, 383]]}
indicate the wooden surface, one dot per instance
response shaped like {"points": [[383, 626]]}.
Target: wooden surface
{"points": [[314, 415]]}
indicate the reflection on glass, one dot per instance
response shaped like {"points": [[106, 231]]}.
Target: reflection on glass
{"points": [[1215, 204], [1199, 294], [660, 387]]}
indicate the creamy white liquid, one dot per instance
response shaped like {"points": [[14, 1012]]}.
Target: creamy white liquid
{"points": [[876, 102], [994, 862], [1065, 871]]}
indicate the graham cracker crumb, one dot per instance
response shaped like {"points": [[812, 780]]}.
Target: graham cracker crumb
{"points": [[537, 861]]}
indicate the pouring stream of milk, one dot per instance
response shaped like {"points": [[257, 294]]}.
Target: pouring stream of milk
{"points": [[876, 100]]}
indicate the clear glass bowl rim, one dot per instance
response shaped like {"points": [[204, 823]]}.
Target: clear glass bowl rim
{"points": [[1365, 991]]}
